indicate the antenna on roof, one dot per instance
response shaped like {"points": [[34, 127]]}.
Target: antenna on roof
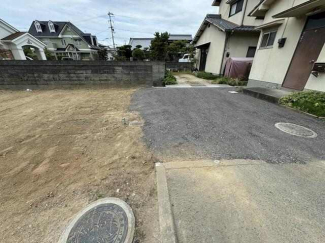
{"points": [[111, 27]]}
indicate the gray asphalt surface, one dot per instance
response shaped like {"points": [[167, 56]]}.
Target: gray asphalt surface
{"points": [[201, 123]]}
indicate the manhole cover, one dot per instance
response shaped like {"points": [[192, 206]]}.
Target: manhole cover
{"points": [[105, 221], [296, 130]]}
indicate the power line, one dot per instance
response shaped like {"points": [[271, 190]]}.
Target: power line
{"points": [[135, 31], [95, 17]]}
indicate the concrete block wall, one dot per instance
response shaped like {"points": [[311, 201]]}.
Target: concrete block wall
{"points": [[179, 66], [62, 74]]}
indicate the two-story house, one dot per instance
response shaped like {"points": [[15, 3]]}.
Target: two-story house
{"points": [[291, 52], [231, 33], [64, 39]]}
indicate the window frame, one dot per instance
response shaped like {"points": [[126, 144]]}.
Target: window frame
{"points": [[51, 27], [248, 51], [236, 5], [267, 44], [38, 27]]}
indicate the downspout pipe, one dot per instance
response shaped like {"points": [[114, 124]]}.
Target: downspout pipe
{"points": [[224, 52], [244, 13]]}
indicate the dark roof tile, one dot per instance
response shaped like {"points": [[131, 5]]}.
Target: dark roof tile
{"points": [[222, 24], [14, 36]]}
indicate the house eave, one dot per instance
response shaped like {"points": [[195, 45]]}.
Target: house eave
{"points": [[270, 24], [261, 8], [306, 8], [216, 3]]}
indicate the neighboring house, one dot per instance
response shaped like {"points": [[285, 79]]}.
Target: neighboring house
{"points": [[146, 42], [64, 39], [291, 45], [12, 43], [231, 33], [111, 52]]}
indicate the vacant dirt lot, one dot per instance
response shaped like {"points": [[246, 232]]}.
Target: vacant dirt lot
{"points": [[61, 150]]}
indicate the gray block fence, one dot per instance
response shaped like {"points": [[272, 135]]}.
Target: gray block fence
{"points": [[179, 66], [69, 74]]}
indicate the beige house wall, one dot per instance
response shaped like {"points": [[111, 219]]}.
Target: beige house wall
{"points": [[217, 39], [238, 43], [271, 65], [224, 10]]}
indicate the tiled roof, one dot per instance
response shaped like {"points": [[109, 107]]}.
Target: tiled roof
{"points": [[246, 28], [59, 25], [175, 37], [222, 24], [13, 36]]}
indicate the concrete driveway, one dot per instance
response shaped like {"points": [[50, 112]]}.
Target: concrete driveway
{"points": [[231, 175]]}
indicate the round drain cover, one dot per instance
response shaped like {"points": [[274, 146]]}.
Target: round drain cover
{"points": [[296, 130], [106, 221]]}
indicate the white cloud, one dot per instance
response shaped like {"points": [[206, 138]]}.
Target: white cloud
{"points": [[134, 18]]}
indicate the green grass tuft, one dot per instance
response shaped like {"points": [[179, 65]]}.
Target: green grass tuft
{"points": [[312, 102], [229, 81], [208, 76], [169, 79]]}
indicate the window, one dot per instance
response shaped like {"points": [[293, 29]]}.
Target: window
{"points": [[78, 42], [51, 27], [251, 51], [63, 42], [268, 39], [38, 27], [236, 7]]}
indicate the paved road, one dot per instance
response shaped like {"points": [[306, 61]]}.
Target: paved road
{"points": [[201, 123], [267, 187]]}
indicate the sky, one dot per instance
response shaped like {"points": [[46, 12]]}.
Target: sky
{"points": [[133, 18]]}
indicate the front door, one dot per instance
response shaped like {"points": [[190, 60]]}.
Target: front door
{"points": [[203, 59], [309, 47]]}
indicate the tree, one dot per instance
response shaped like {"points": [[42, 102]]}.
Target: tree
{"points": [[103, 54], [147, 53], [138, 54], [177, 49], [30, 53], [49, 55], [124, 52], [159, 46]]}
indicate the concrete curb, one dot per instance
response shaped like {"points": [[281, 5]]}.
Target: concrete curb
{"points": [[261, 96], [303, 112], [166, 219]]}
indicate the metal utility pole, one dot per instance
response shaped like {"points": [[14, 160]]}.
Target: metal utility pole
{"points": [[111, 27]]}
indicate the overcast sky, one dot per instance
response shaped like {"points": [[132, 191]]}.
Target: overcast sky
{"points": [[133, 18]]}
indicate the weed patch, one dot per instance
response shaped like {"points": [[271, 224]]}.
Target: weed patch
{"points": [[312, 102], [169, 78], [229, 81], [208, 76]]}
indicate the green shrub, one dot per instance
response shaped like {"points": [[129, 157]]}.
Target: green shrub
{"points": [[312, 102], [169, 79], [208, 76]]}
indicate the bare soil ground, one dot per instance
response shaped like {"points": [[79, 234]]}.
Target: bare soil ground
{"points": [[61, 150]]}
